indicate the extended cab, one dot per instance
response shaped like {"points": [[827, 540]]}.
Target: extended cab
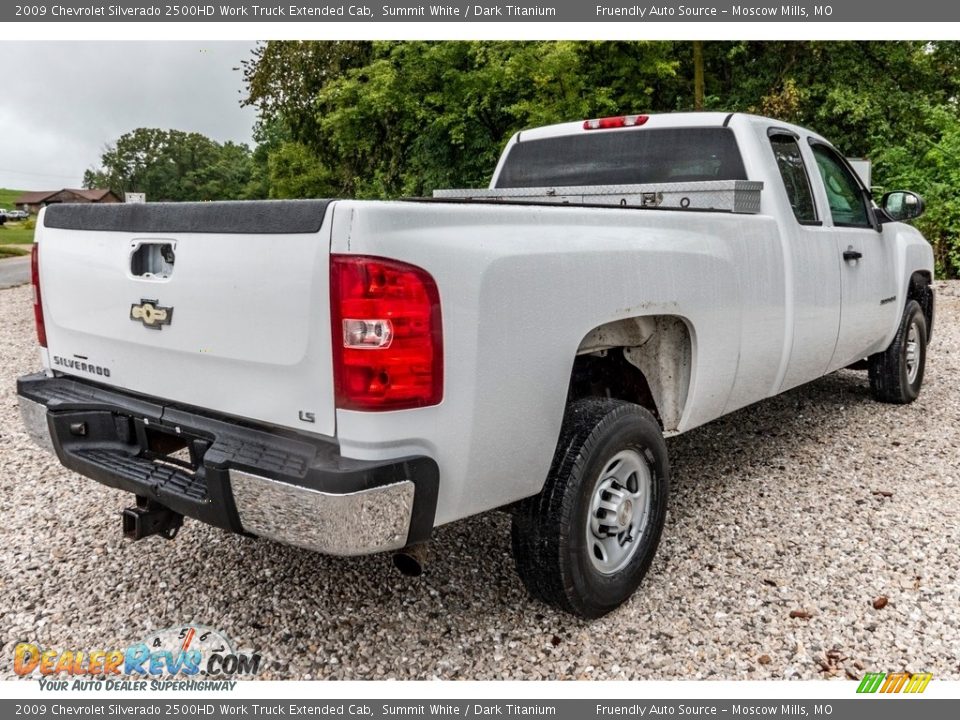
{"points": [[347, 375]]}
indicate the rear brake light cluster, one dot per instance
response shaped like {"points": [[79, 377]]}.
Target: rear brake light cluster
{"points": [[615, 122], [387, 337], [37, 304]]}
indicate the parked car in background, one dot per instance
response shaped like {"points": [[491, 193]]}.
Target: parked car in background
{"points": [[17, 215]]}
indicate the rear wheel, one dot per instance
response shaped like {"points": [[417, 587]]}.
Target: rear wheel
{"points": [[586, 541], [896, 374]]}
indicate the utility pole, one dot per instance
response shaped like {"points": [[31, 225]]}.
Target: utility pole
{"points": [[698, 75]]}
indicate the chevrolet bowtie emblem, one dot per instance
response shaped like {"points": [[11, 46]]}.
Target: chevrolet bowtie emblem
{"points": [[151, 314]]}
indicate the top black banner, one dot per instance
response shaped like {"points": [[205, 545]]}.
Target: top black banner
{"points": [[558, 11]]}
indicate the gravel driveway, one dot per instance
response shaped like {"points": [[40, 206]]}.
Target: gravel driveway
{"points": [[790, 520]]}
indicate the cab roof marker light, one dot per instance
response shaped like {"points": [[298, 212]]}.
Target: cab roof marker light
{"points": [[618, 121]]}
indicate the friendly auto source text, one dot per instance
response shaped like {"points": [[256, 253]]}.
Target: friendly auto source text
{"points": [[642, 11]]}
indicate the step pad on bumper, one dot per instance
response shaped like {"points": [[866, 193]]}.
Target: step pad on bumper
{"points": [[162, 479]]}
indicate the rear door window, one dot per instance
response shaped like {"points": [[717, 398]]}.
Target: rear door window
{"points": [[793, 171]]}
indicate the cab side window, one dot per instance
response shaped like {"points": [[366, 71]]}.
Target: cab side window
{"points": [[848, 205], [795, 178]]}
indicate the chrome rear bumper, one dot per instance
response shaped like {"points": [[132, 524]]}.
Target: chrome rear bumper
{"points": [[357, 523], [286, 487], [34, 416]]}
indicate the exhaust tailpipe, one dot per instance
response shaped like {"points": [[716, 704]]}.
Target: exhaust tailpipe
{"points": [[412, 559]]}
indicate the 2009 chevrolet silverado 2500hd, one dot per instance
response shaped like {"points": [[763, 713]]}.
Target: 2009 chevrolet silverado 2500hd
{"points": [[346, 375]]}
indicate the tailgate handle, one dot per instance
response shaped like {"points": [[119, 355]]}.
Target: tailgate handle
{"points": [[153, 259]]}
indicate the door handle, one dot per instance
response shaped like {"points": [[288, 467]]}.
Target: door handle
{"points": [[852, 254]]}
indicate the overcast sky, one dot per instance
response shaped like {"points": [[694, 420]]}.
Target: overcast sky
{"points": [[62, 102]]}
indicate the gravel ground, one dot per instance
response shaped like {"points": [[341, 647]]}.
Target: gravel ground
{"points": [[789, 521]]}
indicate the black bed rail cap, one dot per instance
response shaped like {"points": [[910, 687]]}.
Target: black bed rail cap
{"points": [[252, 217]]}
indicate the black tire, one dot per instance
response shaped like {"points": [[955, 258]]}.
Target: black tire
{"points": [[891, 378], [550, 533]]}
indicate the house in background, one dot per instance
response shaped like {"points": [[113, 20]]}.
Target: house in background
{"points": [[33, 201]]}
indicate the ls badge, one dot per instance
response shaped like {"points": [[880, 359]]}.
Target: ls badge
{"points": [[151, 314]]}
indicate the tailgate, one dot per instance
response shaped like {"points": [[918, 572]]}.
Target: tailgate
{"points": [[238, 323]]}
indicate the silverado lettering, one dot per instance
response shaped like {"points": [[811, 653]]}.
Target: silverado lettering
{"points": [[80, 366]]}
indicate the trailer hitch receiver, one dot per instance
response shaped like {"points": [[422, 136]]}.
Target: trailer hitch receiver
{"points": [[148, 518]]}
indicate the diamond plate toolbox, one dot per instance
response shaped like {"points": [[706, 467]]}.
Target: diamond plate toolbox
{"points": [[735, 196]]}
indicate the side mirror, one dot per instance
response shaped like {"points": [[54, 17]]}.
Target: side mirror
{"points": [[902, 205]]}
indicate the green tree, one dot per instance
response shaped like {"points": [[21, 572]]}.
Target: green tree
{"points": [[283, 79], [392, 118], [932, 166], [175, 165]]}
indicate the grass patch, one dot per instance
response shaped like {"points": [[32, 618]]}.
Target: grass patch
{"points": [[7, 196], [6, 252], [16, 234]]}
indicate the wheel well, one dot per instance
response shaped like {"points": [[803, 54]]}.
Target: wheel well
{"points": [[607, 373], [644, 360], [920, 289]]}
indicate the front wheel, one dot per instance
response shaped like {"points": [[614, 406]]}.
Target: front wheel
{"points": [[896, 374], [586, 541]]}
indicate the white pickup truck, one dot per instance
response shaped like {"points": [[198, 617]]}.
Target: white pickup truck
{"points": [[347, 375]]}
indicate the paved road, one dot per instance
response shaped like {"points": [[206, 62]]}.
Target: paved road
{"points": [[14, 271]]}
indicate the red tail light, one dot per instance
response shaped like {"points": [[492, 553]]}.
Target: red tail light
{"points": [[387, 337], [615, 122], [37, 305]]}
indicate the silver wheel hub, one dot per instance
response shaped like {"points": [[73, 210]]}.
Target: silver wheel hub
{"points": [[912, 353], [619, 511]]}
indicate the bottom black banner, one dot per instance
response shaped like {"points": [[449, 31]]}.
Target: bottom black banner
{"points": [[872, 707]]}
